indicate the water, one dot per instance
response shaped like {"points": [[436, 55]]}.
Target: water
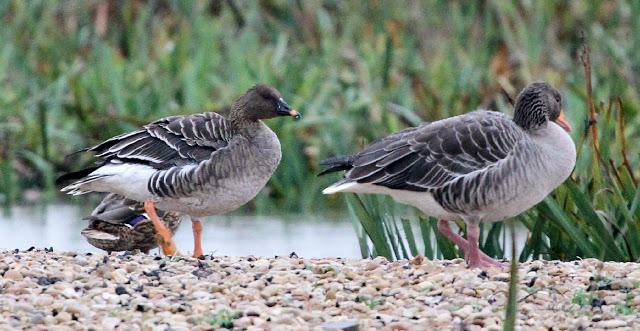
{"points": [[59, 225]]}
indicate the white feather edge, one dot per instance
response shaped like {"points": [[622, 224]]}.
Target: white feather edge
{"points": [[421, 200], [95, 234]]}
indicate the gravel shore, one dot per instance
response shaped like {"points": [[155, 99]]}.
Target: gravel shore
{"points": [[45, 290]]}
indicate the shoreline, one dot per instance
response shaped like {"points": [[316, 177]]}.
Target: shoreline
{"points": [[43, 289]]}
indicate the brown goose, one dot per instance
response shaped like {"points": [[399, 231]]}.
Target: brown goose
{"points": [[480, 167], [201, 164]]}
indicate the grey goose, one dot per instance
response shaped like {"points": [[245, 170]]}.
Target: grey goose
{"points": [[198, 165], [121, 224], [482, 166]]}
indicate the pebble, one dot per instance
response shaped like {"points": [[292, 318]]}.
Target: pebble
{"points": [[60, 291], [344, 325], [110, 323], [13, 275], [611, 324]]}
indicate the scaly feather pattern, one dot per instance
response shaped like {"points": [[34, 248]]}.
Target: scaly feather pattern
{"points": [[457, 159], [170, 141]]}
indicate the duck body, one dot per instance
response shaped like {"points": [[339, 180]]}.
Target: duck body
{"points": [[120, 224], [480, 167]]}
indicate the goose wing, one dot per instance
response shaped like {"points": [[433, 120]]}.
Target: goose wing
{"points": [[430, 156], [168, 142]]}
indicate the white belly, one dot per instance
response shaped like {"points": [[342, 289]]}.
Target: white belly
{"points": [[421, 200]]}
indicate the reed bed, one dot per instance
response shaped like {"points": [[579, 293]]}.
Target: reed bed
{"points": [[74, 73]]}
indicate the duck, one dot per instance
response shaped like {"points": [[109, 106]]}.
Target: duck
{"points": [[197, 165], [482, 166], [120, 224]]}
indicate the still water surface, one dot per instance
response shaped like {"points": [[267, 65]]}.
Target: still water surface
{"points": [[59, 225]]}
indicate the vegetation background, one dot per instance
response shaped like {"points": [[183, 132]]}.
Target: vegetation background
{"points": [[73, 73]]}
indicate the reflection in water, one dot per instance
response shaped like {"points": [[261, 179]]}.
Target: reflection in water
{"points": [[59, 226]]}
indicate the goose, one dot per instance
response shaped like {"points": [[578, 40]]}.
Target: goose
{"points": [[121, 224], [482, 166], [198, 165]]}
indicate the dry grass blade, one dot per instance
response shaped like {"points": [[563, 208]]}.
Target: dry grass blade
{"points": [[623, 142], [585, 58]]}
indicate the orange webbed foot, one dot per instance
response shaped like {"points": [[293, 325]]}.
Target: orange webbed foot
{"points": [[163, 235]]}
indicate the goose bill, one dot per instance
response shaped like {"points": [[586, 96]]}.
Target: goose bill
{"points": [[562, 121], [285, 110]]}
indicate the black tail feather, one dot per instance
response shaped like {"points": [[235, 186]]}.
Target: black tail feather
{"points": [[337, 163], [75, 175]]}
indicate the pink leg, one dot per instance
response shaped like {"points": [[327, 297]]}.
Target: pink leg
{"points": [[445, 229], [474, 256]]}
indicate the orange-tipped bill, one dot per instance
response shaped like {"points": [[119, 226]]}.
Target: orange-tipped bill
{"points": [[294, 113], [562, 121], [285, 110]]}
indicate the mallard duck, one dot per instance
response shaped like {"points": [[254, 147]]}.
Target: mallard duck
{"points": [[120, 224], [479, 167], [201, 164]]}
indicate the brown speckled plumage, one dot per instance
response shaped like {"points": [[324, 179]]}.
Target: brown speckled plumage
{"points": [[109, 229]]}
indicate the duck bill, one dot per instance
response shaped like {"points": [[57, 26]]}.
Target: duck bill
{"points": [[562, 122]]}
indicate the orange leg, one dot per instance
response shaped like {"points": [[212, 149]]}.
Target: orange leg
{"points": [[196, 225], [163, 235]]}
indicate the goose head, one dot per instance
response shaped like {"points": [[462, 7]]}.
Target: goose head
{"points": [[262, 102], [538, 104]]}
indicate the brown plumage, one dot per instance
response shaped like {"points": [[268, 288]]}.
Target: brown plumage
{"points": [[120, 224]]}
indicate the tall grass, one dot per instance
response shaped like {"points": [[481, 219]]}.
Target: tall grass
{"points": [[75, 72]]}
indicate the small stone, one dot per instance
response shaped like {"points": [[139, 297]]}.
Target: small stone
{"points": [[242, 322], [373, 264], [621, 284], [43, 300], [634, 275], [464, 311], [345, 325], [119, 276], [13, 274], [448, 292], [261, 265], [200, 295], [417, 260], [611, 324], [501, 277], [46, 281], [23, 307], [110, 323], [398, 326], [121, 290], [63, 316], [425, 285], [37, 318], [69, 293]]}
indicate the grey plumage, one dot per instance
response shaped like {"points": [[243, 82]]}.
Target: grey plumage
{"points": [[481, 166], [199, 164], [444, 157]]}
